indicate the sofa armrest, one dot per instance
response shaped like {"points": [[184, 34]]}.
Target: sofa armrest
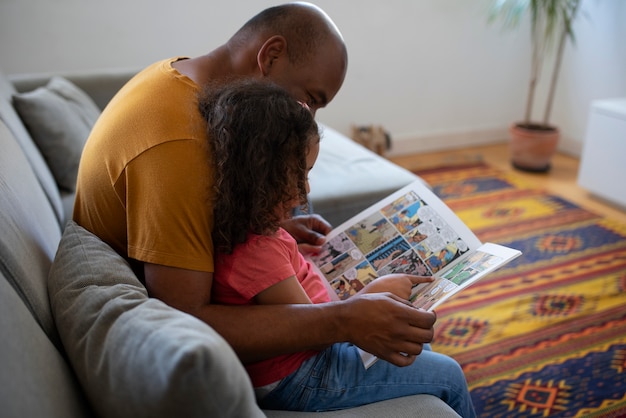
{"points": [[348, 178]]}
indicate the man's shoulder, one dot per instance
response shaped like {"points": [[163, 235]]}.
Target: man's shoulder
{"points": [[157, 80]]}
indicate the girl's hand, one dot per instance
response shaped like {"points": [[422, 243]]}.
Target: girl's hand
{"points": [[398, 284]]}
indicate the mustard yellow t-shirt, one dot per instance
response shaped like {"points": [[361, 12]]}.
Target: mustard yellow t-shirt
{"points": [[145, 174]]}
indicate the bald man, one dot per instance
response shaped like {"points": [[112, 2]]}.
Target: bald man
{"points": [[144, 187]]}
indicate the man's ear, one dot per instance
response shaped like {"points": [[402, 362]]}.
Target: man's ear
{"points": [[273, 49]]}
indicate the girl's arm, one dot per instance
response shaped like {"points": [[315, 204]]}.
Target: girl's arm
{"points": [[285, 292]]}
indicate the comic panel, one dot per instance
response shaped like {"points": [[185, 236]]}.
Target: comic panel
{"points": [[341, 263], [432, 224], [476, 263], [353, 280], [407, 263], [399, 204], [371, 232], [437, 253], [441, 254], [415, 236], [333, 248], [408, 218], [387, 252], [429, 294]]}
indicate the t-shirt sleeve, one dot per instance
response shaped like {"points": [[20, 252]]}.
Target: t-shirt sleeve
{"points": [[259, 264], [168, 206]]}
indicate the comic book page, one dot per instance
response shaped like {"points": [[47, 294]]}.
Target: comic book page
{"points": [[411, 231], [414, 232], [463, 273]]}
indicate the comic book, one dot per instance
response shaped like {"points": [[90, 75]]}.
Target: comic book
{"points": [[412, 231]]}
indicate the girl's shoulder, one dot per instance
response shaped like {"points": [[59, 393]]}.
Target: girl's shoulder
{"points": [[280, 238]]}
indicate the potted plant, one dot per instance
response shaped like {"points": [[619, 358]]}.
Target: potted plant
{"points": [[533, 143]]}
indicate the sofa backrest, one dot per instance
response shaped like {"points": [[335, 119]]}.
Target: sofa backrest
{"points": [[100, 85], [12, 120], [30, 232], [36, 380]]}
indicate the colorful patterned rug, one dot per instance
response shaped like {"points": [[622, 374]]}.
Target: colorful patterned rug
{"points": [[545, 336]]}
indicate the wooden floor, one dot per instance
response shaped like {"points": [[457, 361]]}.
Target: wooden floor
{"points": [[561, 180]]}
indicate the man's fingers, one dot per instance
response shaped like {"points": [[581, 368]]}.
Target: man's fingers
{"points": [[399, 299], [400, 359], [320, 224], [420, 279], [309, 249], [425, 321], [314, 237], [307, 229]]}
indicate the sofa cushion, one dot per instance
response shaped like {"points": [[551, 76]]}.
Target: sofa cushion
{"points": [[36, 380], [9, 115], [100, 84], [134, 355], [30, 231], [80, 101], [59, 117], [414, 406]]}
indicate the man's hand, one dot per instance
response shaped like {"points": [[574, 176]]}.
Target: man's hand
{"points": [[398, 284], [309, 231], [388, 326]]}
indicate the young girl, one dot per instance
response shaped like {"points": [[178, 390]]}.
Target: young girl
{"points": [[264, 144]]}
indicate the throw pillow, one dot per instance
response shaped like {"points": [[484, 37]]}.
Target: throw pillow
{"points": [[59, 118], [134, 355]]}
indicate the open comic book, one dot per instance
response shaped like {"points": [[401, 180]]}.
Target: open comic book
{"points": [[411, 231]]}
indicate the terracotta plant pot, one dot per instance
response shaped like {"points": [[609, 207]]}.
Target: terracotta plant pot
{"points": [[532, 146]]}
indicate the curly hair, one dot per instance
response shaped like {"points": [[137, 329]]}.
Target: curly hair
{"points": [[259, 138]]}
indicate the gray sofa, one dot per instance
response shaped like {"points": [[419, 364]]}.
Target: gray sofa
{"points": [[80, 336]]}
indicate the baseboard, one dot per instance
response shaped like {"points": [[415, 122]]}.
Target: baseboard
{"points": [[571, 147], [414, 144]]}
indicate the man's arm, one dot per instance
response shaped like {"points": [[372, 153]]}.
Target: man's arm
{"points": [[379, 323]]}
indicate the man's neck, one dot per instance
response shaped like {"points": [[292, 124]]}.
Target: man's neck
{"points": [[201, 70]]}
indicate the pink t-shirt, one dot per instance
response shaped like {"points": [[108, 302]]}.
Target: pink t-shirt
{"points": [[261, 262]]}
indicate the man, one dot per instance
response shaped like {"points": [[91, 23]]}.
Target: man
{"points": [[144, 187]]}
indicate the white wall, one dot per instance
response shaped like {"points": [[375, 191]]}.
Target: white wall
{"points": [[594, 68], [432, 72]]}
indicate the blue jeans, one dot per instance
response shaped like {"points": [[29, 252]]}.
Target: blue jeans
{"points": [[337, 379]]}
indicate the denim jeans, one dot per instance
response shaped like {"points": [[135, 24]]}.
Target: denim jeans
{"points": [[337, 379]]}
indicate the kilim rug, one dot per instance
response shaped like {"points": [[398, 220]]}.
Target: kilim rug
{"points": [[544, 336]]}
